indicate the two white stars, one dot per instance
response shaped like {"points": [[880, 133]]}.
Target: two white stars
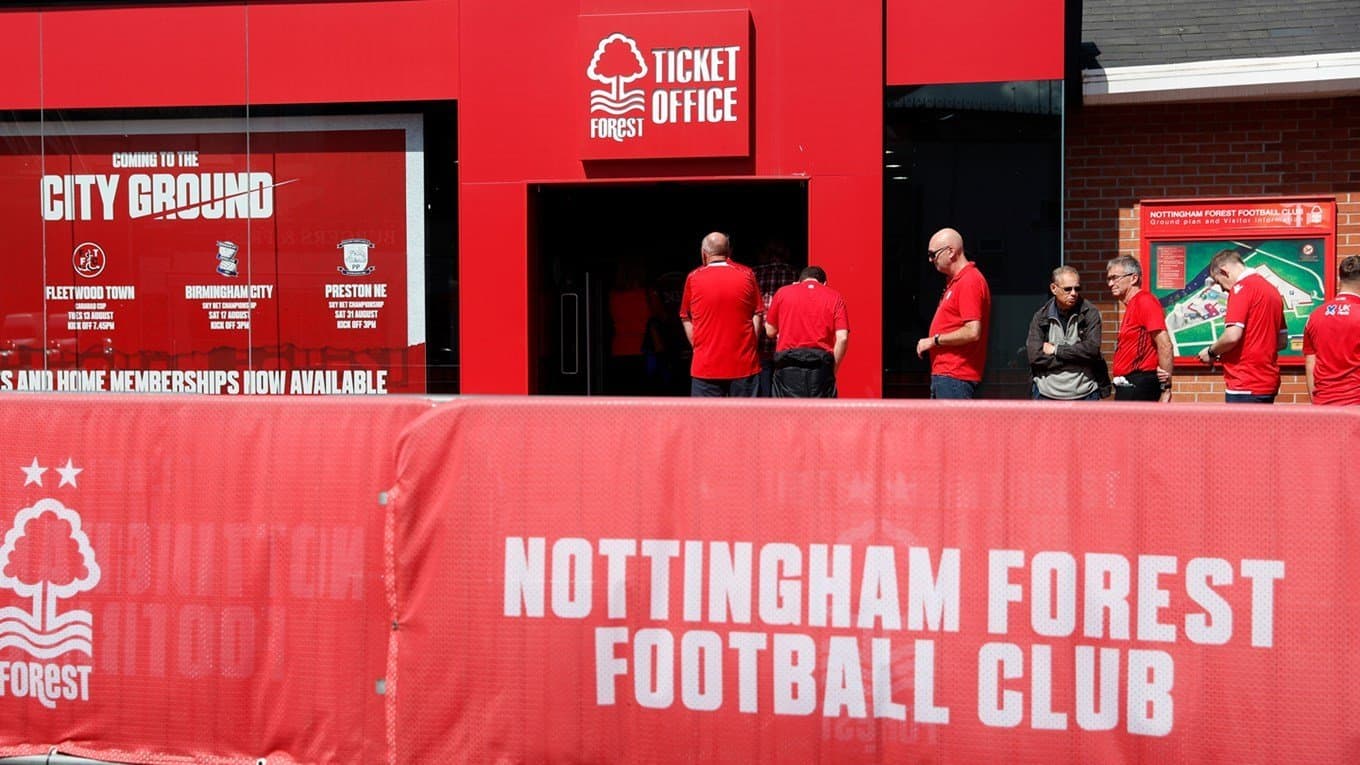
{"points": [[33, 473]]}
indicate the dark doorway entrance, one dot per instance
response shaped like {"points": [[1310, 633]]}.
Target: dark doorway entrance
{"points": [[608, 265]]}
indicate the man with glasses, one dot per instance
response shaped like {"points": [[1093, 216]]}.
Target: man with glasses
{"points": [[1254, 332], [1142, 351], [1064, 344], [958, 334]]}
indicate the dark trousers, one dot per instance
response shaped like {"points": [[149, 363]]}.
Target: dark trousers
{"points": [[1248, 398], [1143, 386], [945, 387], [741, 387]]}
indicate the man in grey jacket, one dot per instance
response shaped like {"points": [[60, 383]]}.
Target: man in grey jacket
{"points": [[1064, 344]]}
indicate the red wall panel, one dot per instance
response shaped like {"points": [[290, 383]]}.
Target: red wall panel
{"points": [[197, 55], [847, 240], [345, 52], [974, 41], [20, 58], [493, 289]]}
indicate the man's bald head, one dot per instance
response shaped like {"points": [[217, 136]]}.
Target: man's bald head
{"points": [[946, 252], [716, 245], [947, 237]]}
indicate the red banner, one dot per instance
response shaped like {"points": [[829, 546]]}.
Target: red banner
{"points": [[197, 256], [195, 579], [794, 582]]}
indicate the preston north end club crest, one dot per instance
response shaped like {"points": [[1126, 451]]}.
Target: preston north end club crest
{"points": [[356, 257]]}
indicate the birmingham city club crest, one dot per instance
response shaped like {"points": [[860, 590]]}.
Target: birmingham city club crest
{"points": [[226, 258]]}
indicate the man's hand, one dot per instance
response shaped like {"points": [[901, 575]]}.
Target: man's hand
{"points": [[923, 345], [1050, 348]]}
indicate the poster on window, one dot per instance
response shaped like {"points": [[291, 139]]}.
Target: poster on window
{"points": [[1289, 242], [226, 257]]}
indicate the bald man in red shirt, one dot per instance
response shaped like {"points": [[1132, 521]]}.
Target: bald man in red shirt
{"points": [[721, 311]]}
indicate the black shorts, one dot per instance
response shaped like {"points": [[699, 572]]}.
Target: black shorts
{"points": [[1143, 386]]}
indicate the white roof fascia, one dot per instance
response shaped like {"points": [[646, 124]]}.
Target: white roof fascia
{"points": [[1323, 75]]}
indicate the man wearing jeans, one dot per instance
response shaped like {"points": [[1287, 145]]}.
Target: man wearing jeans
{"points": [[721, 311], [958, 334], [1253, 332]]}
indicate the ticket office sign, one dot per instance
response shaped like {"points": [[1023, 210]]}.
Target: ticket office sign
{"points": [[664, 85], [1289, 241], [215, 256]]}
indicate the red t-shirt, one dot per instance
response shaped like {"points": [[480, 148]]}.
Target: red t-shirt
{"points": [[719, 300], [966, 298], [1134, 349], [1333, 337], [807, 315], [1253, 365]]}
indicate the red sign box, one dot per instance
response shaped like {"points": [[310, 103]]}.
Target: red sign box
{"points": [[665, 85], [1243, 217], [215, 256]]}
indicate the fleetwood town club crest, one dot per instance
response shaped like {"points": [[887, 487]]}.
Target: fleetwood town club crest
{"points": [[355, 257], [88, 259]]}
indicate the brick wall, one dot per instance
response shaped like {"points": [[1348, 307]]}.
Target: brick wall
{"points": [[1117, 155]]}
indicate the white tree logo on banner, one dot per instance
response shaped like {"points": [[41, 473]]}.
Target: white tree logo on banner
{"points": [[616, 63], [46, 575]]}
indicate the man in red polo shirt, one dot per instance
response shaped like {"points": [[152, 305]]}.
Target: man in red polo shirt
{"points": [[958, 334], [813, 331], [1253, 332], [1331, 341], [721, 311], [1143, 357]]}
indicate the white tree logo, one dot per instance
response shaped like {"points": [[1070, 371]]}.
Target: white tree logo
{"points": [[39, 563], [617, 62]]}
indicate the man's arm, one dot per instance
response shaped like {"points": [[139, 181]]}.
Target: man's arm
{"points": [[1165, 361], [689, 330], [1232, 335], [1309, 362], [1087, 347], [968, 333], [757, 323], [842, 342], [1034, 342], [771, 331]]}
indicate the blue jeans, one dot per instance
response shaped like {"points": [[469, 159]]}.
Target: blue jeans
{"points": [[950, 387], [1248, 398], [1037, 396], [741, 387]]}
